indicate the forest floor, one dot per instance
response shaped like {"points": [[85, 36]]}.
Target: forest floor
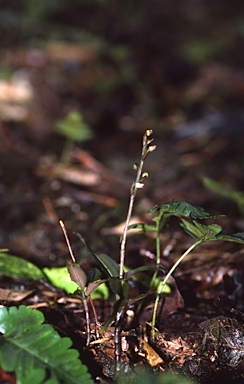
{"points": [[91, 196]]}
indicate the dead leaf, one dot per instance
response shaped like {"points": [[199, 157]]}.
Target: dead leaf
{"points": [[13, 294], [152, 357]]}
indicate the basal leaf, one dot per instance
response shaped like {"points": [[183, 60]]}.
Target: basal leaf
{"points": [[181, 208], [77, 275], [34, 350], [98, 290], [16, 267]]}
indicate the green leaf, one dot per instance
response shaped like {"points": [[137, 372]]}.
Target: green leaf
{"points": [[145, 278], [115, 284], [34, 350], [74, 128], [181, 208], [110, 266], [131, 272], [60, 278], [235, 238], [210, 232], [16, 267], [225, 191], [200, 231], [93, 274], [202, 50], [222, 189]]}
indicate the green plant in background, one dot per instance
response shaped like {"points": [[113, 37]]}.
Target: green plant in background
{"points": [[35, 352], [75, 130], [225, 191], [203, 50]]}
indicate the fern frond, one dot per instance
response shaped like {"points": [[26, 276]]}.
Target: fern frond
{"points": [[35, 351]]}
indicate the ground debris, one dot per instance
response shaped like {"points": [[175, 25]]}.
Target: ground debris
{"points": [[228, 337]]}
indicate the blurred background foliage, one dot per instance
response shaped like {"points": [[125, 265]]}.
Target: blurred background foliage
{"points": [[150, 54]]}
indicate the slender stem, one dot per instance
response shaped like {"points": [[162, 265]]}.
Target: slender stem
{"points": [[158, 221], [146, 148], [162, 284], [134, 188], [172, 269], [155, 274], [88, 323], [67, 240], [158, 248], [117, 341], [84, 299]]}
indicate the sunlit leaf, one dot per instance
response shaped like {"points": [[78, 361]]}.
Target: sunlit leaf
{"points": [[60, 278], [16, 267]]}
